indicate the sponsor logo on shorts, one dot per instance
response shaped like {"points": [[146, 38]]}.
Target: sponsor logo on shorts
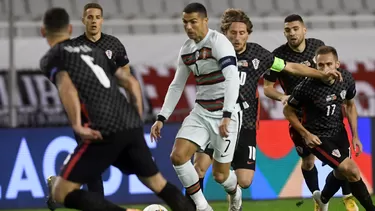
{"points": [[336, 153]]}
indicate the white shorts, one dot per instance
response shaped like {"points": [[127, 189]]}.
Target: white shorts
{"points": [[203, 130]]}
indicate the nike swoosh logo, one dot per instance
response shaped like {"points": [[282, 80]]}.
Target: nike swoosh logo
{"points": [[248, 162], [223, 156]]}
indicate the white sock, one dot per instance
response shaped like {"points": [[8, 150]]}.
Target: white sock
{"points": [[188, 177], [230, 185]]}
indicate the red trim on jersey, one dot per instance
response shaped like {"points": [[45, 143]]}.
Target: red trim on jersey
{"points": [[258, 111], [326, 155], [85, 112], [74, 160], [303, 120]]}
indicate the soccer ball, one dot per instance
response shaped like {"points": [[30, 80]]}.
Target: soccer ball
{"points": [[155, 207]]}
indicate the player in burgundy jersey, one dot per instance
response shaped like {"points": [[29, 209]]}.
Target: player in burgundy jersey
{"points": [[323, 130], [111, 130], [300, 50], [253, 62]]}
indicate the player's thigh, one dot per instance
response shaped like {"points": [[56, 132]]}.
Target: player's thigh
{"points": [[136, 158], [300, 146], [89, 161], [245, 152], [194, 129], [329, 152], [224, 147], [208, 151]]}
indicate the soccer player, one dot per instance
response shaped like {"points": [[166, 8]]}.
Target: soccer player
{"points": [[301, 50], [215, 118], [253, 62], [86, 81], [323, 130], [92, 18]]}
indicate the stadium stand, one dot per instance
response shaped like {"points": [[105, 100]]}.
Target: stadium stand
{"points": [[163, 16]]}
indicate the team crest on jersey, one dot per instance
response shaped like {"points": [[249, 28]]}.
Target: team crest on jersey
{"points": [[336, 153], [331, 97], [307, 63], [243, 63], [204, 53], [256, 63], [109, 54], [343, 94]]}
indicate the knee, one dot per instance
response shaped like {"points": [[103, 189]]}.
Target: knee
{"points": [[200, 169], [219, 177], [179, 158], [244, 183], [59, 193], [61, 188], [350, 171], [308, 163]]}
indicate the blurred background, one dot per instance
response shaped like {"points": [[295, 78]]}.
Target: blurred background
{"points": [[35, 136]]}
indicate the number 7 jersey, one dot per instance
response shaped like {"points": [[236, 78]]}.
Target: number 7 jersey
{"points": [[103, 107]]}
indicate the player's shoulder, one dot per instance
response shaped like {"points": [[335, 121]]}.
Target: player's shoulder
{"points": [[346, 74], [53, 55], [256, 48], [281, 49], [314, 42], [305, 84], [80, 38], [110, 38]]}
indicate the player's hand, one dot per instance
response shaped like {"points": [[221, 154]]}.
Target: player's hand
{"points": [[312, 140], [328, 74], [155, 131], [357, 145], [284, 99], [223, 128], [88, 134]]}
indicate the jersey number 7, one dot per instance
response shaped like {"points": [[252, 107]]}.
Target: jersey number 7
{"points": [[98, 71]]}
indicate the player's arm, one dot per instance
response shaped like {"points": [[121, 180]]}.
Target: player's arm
{"points": [[69, 98], [174, 91], [131, 84], [270, 78], [296, 101], [224, 52], [302, 70], [351, 110]]}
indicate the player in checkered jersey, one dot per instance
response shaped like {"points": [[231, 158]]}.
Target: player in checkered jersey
{"points": [[323, 130], [113, 131], [253, 62], [300, 50], [92, 18]]}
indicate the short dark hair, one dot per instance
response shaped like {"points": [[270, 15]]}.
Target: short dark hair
{"points": [[92, 6], [292, 18], [196, 7], [55, 19], [235, 15], [326, 50]]}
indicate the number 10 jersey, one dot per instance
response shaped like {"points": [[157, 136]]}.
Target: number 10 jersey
{"points": [[103, 107]]}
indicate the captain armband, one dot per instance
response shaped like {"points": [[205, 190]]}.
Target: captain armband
{"points": [[278, 65]]}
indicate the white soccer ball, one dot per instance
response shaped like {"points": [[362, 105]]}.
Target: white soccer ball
{"points": [[155, 207]]}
